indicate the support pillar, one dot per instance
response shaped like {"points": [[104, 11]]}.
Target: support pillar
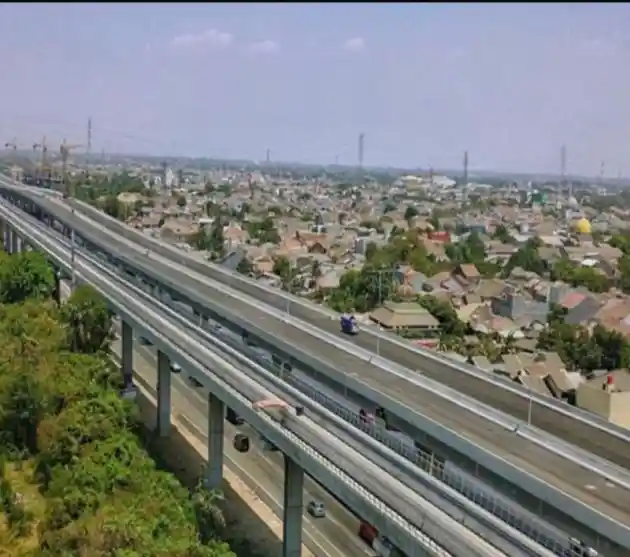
{"points": [[3, 233], [127, 354], [293, 508], [14, 242], [216, 416], [57, 288], [164, 395]]}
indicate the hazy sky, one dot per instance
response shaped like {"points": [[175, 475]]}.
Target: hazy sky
{"points": [[508, 82]]}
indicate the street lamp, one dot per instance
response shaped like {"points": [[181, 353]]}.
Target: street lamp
{"points": [[379, 273]]}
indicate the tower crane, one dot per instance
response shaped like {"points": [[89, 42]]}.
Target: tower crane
{"points": [[65, 149], [44, 169]]}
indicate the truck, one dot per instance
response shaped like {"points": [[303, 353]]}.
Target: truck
{"points": [[349, 324], [380, 544]]}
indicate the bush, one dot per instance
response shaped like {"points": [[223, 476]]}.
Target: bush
{"points": [[60, 407]]}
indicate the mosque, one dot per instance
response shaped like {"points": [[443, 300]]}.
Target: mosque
{"points": [[582, 226]]}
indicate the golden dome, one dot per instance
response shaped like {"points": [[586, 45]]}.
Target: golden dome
{"points": [[583, 226]]}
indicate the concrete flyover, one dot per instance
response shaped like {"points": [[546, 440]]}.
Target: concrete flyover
{"points": [[333, 536], [577, 427], [585, 490], [307, 446]]}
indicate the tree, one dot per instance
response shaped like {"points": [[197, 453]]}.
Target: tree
{"points": [[282, 267], [527, 258], [61, 412], [87, 320], [501, 233], [181, 201], [245, 266], [410, 213], [25, 275], [445, 314]]}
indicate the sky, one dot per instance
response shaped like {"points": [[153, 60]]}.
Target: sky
{"points": [[510, 83]]}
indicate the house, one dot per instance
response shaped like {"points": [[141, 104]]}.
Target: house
{"points": [[518, 306], [409, 316], [410, 282], [608, 397], [468, 272]]}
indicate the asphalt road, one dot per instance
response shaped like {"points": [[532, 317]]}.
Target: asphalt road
{"points": [[586, 486], [263, 471]]}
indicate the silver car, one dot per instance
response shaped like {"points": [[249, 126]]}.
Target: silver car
{"points": [[316, 509]]}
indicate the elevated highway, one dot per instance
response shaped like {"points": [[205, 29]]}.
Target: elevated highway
{"points": [[570, 424], [585, 488], [307, 443]]}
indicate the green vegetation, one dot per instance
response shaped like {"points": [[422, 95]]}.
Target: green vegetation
{"points": [[211, 240], [74, 476], [527, 258], [577, 275], [368, 288], [622, 242], [583, 350]]}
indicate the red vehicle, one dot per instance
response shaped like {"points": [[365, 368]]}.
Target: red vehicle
{"points": [[367, 533], [382, 546]]}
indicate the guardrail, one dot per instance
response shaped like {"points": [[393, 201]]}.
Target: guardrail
{"points": [[402, 532]]}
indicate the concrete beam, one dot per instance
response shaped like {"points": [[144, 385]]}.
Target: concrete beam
{"points": [[216, 416], [293, 508], [164, 395]]}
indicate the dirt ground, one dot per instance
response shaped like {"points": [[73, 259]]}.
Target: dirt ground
{"points": [[255, 530]]}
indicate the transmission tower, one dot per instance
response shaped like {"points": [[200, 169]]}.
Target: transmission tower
{"points": [[465, 178], [361, 147], [563, 170], [89, 137]]}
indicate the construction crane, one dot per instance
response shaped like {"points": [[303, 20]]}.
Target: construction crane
{"points": [[65, 149], [45, 170]]}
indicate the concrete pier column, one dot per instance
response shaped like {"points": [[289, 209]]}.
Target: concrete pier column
{"points": [[15, 248], [216, 416], [293, 509], [127, 354], [3, 234], [164, 395], [56, 293]]}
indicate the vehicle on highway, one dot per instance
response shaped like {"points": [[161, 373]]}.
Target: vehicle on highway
{"points": [[380, 544], [145, 341], [232, 417], [175, 367], [194, 382], [316, 509], [349, 324]]}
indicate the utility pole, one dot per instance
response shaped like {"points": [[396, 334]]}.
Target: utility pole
{"points": [[379, 274], [563, 170], [361, 147], [89, 137]]}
